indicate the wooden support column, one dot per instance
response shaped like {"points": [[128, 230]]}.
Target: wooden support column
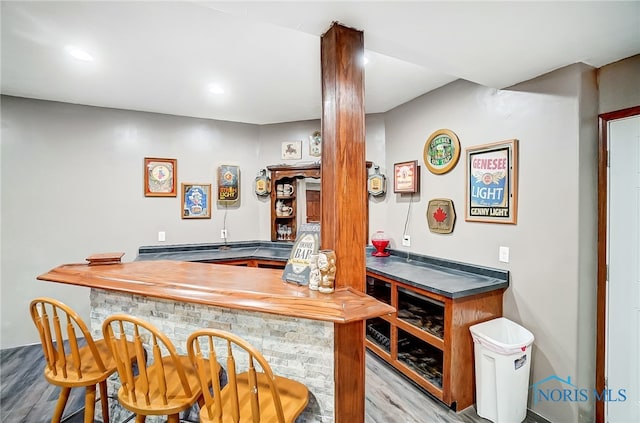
{"points": [[344, 201]]}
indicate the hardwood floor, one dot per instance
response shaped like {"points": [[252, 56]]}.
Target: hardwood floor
{"points": [[26, 397]]}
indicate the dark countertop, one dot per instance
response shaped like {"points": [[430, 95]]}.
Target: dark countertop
{"points": [[447, 278], [444, 277], [260, 250]]}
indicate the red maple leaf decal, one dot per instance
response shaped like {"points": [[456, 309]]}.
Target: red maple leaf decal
{"points": [[439, 215]]}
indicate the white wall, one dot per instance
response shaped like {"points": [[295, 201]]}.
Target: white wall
{"points": [[619, 85], [72, 185], [556, 206]]}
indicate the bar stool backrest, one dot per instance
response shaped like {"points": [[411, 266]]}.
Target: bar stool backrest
{"points": [[253, 395], [57, 322], [160, 382]]}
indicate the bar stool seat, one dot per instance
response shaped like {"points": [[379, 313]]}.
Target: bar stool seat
{"points": [[167, 383], [253, 395]]}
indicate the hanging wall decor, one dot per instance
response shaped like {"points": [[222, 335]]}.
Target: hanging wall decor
{"points": [[196, 201], [228, 183], [441, 215], [441, 151], [291, 150], [160, 177], [406, 177], [377, 183], [315, 144], [263, 183], [492, 182]]}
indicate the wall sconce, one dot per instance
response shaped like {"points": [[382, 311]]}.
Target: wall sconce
{"points": [[377, 183], [263, 183]]}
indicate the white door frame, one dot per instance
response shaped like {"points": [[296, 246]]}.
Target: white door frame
{"points": [[601, 307]]}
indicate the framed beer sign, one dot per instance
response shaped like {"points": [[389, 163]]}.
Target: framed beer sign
{"points": [[196, 201], [160, 177], [441, 151], [228, 183], [406, 177], [492, 182]]}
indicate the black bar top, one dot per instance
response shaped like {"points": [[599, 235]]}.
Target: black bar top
{"points": [[448, 278]]}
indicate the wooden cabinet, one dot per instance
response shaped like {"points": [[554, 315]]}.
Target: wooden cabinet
{"points": [[428, 338], [284, 203]]}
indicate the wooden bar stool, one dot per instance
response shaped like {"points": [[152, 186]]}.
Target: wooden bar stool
{"points": [[167, 385], [249, 396], [73, 366]]}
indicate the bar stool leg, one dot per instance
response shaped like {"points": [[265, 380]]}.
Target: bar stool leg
{"points": [[89, 403], [140, 418], [60, 404], [105, 401], [174, 418]]}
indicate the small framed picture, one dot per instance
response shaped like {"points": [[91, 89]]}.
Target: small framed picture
{"points": [[315, 144], [492, 182], [160, 177], [196, 201], [406, 177], [291, 150]]}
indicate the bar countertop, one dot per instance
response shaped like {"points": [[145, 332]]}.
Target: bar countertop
{"points": [[220, 285]]}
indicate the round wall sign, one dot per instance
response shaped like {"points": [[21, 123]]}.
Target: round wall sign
{"points": [[441, 151]]}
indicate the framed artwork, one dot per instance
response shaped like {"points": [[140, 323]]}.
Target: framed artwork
{"points": [[441, 151], [291, 150], [196, 201], [406, 177], [315, 144], [228, 183], [492, 182], [160, 177]]}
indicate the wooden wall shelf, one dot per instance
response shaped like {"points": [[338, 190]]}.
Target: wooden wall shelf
{"points": [[282, 174]]}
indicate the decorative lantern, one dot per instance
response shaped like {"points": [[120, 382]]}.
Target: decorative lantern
{"points": [[263, 183], [377, 183]]}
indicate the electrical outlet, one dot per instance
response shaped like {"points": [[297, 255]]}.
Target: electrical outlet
{"points": [[406, 241], [223, 233], [161, 236], [503, 254]]}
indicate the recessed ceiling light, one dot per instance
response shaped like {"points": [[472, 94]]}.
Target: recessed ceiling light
{"points": [[216, 89], [79, 54]]}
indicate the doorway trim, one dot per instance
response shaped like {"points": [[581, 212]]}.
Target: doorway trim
{"points": [[601, 295]]}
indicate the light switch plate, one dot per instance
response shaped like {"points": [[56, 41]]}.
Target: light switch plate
{"points": [[162, 236], [503, 254], [406, 241]]}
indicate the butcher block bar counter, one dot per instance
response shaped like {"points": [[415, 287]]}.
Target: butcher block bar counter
{"points": [[291, 325], [244, 288]]}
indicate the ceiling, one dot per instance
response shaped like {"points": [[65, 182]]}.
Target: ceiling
{"points": [[161, 56]]}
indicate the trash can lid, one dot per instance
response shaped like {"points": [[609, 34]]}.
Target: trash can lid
{"points": [[502, 333]]}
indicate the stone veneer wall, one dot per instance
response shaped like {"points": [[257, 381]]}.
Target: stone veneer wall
{"points": [[300, 349]]}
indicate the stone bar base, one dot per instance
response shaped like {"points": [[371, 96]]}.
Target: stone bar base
{"points": [[297, 348]]}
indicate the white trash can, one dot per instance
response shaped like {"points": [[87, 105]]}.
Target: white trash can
{"points": [[502, 351]]}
